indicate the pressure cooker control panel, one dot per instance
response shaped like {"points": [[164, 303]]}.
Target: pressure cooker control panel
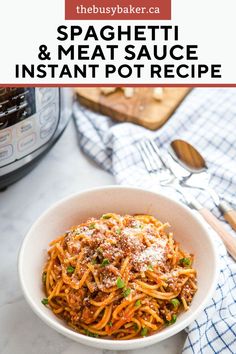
{"points": [[28, 119]]}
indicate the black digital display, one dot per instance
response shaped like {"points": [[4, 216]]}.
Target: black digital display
{"points": [[16, 104]]}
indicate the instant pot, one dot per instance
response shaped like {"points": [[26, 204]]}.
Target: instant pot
{"points": [[31, 120]]}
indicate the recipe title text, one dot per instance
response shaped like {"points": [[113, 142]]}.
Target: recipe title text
{"points": [[150, 52]]}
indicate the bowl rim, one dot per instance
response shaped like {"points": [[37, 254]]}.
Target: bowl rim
{"points": [[129, 343]]}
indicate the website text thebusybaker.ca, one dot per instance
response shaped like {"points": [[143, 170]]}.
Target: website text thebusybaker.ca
{"points": [[118, 9]]}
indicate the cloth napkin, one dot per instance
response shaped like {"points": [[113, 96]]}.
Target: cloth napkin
{"points": [[207, 119]]}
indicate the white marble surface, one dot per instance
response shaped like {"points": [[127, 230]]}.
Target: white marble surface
{"points": [[64, 170]]}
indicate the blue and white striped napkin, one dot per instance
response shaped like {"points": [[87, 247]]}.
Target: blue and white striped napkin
{"points": [[207, 119]]}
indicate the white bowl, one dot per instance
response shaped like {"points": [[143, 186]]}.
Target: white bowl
{"points": [[188, 230]]}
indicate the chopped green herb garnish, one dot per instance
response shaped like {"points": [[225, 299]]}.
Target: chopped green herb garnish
{"points": [[105, 262], [92, 226], [144, 332], [175, 302], [45, 301], [172, 321], [118, 231], [110, 324], [120, 283], [136, 327], [70, 269], [94, 261], [140, 226], [136, 225], [126, 292], [174, 318], [106, 216], [137, 303], [150, 267], [44, 277], [90, 334], [185, 261]]}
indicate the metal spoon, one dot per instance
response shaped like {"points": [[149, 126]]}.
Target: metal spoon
{"points": [[198, 175]]}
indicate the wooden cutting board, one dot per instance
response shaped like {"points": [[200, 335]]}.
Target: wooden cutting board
{"points": [[141, 109]]}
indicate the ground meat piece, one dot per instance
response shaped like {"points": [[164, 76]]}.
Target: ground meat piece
{"points": [[87, 314], [187, 292], [75, 298]]}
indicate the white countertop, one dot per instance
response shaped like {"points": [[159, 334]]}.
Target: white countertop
{"points": [[64, 170]]}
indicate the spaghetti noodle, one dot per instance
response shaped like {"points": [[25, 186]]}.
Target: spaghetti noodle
{"points": [[118, 277]]}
